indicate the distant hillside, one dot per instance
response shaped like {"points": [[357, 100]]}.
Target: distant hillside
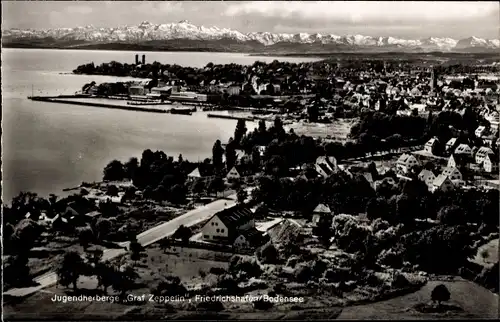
{"points": [[184, 36]]}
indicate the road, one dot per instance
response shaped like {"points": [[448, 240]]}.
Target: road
{"points": [[146, 238]]}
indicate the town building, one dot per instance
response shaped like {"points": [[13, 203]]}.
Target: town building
{"points": [[228, 224], [442, 183], [481, 154], [427, 177], [233, 175], [164, 92], [195, 174], [430, 145], [453, 173], [326, 166], [463, 149], [490, 163], [480, 131], [321, 215], [451, 145], [405, 163], [249, 239]]}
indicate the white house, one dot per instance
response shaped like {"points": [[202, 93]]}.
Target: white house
{"points": [[450, 145], [443, 183], [228, 224], [429, 146], [482, 153], [250, 238], [326, 166], [405, 163], [453, 173], [427, 177], [194, 174], [480, 131], [320, 213], [463, 149], [490, 163], [233, 175]]}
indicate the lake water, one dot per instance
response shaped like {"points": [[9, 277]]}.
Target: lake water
{"points": [[47, 147]]}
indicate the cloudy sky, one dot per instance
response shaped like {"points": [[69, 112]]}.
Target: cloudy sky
{"points": [[400, 19]]}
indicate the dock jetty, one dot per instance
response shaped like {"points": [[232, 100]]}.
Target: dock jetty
{"points": [[69, 99], [231, 117]]}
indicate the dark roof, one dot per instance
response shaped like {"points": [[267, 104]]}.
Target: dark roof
{"points": [[235, 216], [325, 168], [253, 236], [283, 232]]}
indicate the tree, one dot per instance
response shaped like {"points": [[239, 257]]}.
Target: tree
{"points": [[440, 294], [240, 131], [451, 215], [242, 195], [135, 249], [70, 269], [94, 256], [26, 233], [262, 127], [114, 171], [130, 168], [198, 186], [216, 184], [230, 154], [178, 193], [268, 253], [256, 159], [124, 280], [377, 208], [85, 236], [106, 275], [217, 152], [103, 227], [112, 191], [16, 270], [183, 233], [313, 112]]}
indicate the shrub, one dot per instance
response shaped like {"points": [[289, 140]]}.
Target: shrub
{"points": [[169, 286], [217, 270], [303, 273], [379, 224], [112, 191], [391, 258], [372, 280], [268, 254], [440, 294], [400, 281], [228, 283], [318, 268], [85, 236], [248, 266]]}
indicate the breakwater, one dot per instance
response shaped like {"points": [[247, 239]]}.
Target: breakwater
{"points": [[68, 99], [231, 117]]}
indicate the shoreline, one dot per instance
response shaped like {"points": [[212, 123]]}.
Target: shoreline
{"points": [[318, 55]]}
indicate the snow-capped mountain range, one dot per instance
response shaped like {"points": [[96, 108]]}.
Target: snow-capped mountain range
{"points": [[186, 31]]}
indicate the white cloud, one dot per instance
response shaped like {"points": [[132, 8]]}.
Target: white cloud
{"points": [[359, 11]]}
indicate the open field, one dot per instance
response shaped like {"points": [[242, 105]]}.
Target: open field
{"points": [[338, 130], [476, 302]]}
